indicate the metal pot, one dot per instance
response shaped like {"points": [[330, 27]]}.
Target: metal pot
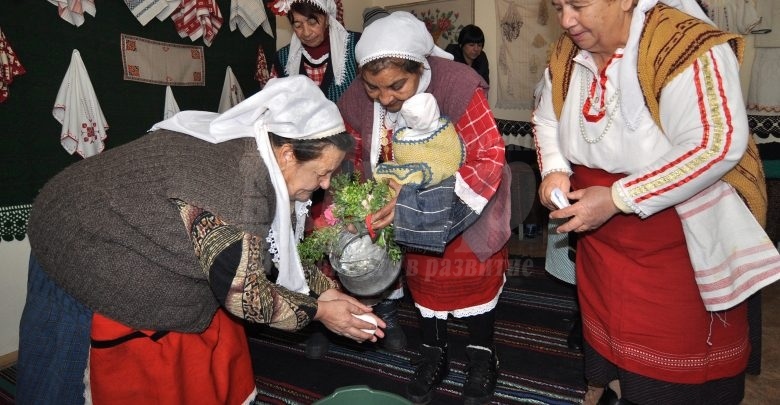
{"points": [[363, 267]]}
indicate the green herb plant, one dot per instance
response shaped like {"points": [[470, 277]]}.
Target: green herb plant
{"points": [[353, 201]]}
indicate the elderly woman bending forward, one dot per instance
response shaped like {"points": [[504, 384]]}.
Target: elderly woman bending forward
{"points": [[147, 257]]}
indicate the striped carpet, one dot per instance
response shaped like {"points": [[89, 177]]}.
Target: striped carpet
{"points": [[537, 367], [7, 385]]}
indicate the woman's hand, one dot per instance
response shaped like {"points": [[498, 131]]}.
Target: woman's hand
{"points": [[551, 181], [592, 208], [335, 311], [384, 217]]}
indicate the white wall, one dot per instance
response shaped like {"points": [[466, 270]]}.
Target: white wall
{"points": [[13, 290]]}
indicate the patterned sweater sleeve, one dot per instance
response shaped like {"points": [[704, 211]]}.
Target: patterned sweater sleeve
{"points": [[232, 261]]}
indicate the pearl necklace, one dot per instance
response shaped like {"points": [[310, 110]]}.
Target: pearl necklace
{"points": [[586, 103]]}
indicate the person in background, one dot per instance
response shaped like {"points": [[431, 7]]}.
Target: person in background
{"points": [[371, 14], [468, 50], [642, 124], [320, 48], [464, 220], [148, 258]]}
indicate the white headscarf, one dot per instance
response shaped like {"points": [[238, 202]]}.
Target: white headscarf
{"points": [[291, 107], [632, 102], [336, 32], [398, 35]]}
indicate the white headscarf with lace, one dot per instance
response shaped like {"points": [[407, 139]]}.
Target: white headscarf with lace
{"points": [[336, 32], [290, 107], [398, 35]]}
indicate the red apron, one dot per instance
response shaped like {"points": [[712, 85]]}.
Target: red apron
{"points": [[640, 305], [128, 366]]}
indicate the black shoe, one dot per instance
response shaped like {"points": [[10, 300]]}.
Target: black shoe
{"points": [[395, 338], [431, 370], [482, 372], [317, 345], [609, 397], [574, 341]]}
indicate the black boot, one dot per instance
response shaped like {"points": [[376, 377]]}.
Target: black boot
{"points": [[610, 398], [431, 370], [395, 338], [574, 341], [482, 369]]}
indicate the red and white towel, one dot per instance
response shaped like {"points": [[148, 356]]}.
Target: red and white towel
{"points": [[198, 18], [10, 67], [77, 109], [732, 256], [262, 73], [73, 11]]}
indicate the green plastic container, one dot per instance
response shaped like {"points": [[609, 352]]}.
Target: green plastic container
{"points": [[363, 395]]}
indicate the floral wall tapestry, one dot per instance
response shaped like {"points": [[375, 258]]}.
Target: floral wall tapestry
{"points": [[444, 19], [526, 29]]}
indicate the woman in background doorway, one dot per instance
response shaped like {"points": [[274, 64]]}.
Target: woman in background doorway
{"points": [[468, 50]]}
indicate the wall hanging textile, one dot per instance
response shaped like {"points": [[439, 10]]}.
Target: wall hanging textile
{"points": [[171, 106], [165, 63], [198, 18], [73, 11], [231, 92], [10, 67], [262, 73], [526, 30], [77, 109], [247, 15], [146, 10]]}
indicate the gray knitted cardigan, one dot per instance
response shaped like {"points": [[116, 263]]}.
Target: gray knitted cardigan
{"points": [[105, 231]]}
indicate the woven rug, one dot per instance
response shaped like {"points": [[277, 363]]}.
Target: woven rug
{"points": [[533, 320], [7, 385]]}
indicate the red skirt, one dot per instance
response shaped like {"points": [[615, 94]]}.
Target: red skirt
{"points": [[211, 367], [456, 279], [640, 305]]}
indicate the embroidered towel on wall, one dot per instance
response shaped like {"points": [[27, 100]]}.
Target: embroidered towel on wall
{"points": [[170, 7], [10, 67], [73, 11], [764, 91], [524, 31], [77, 109], [247, 15], [145, 10], [262, 74], [231, 92], [769, 10], [171, 106], [198, 18], [734, 16], [164, 63]]}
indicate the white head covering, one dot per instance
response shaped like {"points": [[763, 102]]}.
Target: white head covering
{"points": [[632, 102], [398, 35], [291, 107], [336, 32]]}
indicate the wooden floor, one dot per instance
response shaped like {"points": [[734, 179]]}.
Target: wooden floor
{"points": [[763, 389]]}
